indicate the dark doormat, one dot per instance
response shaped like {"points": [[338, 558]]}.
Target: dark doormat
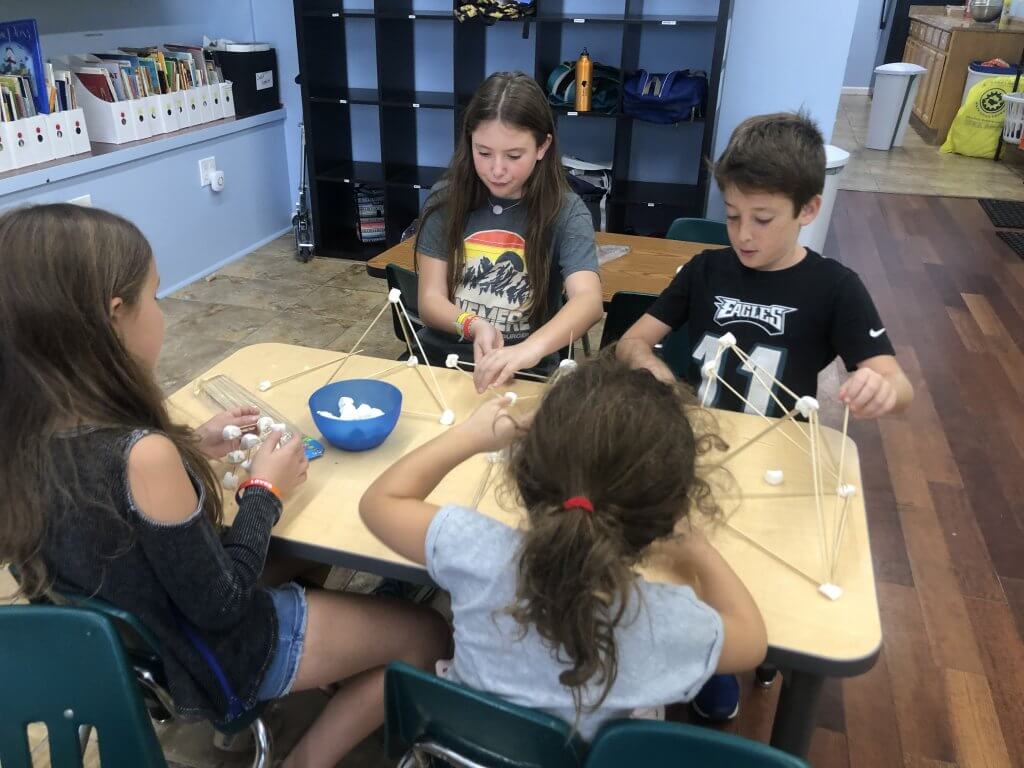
{"points": [[1004, 213], [1015, 240]]}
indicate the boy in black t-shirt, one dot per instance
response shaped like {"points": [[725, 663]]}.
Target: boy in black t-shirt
{"points": [[791, 310]]}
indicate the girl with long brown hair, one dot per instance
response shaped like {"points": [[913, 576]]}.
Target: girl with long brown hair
{"points": [[501, 236], [104, 495], [555, 615]]}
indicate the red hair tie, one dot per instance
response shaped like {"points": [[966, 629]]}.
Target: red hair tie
{"points": [[579, 502]]}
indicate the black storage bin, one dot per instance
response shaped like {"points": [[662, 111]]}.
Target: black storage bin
{"points": [[254, 80]]}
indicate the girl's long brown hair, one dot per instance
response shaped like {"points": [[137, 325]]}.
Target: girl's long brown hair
{"points": [[628, 443], [515, 99], [63, 365]]}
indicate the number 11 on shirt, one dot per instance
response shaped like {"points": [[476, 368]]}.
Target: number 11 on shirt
{"points": [[768, 359]]}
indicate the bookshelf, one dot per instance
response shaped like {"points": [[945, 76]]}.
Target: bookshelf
{"points": [[326, 31]]}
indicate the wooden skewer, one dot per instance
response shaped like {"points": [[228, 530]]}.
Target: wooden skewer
{"points": [[439, 395], [816, 473], [421, 414], [771, 553], [292, 376], [354, 346], [839, 538], [482, 488], [529, 375], [387, 371], [841, 516], [754, 439], [746, 359]]}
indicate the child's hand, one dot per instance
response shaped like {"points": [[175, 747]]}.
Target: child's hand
{"points": [[502, 364], [493, 425], [285, 467], [486, 339], [868, 393], [211, 434], [659, 370]]}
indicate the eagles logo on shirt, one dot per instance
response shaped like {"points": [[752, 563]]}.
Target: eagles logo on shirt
{"points": [[494, 283], [769, 317]]}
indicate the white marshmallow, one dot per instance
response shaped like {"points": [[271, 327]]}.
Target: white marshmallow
{"points": [[236, 457], [249, 442], [447, 418], [394, 296], [231, 432], [452, 361], [846, 490], [246, 465], [264, 424], [806, 405], [773, 476], [567, 363], [363, 411], [279, 427], [343, 401], [413, 361], [727, 341], [511, 397], [494, 457], [229, 481], [329, 415], [709, 369], [265, 385], [831, 591], [348, 412]]}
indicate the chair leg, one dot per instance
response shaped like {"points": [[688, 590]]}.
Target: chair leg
{"points": [[586, 345], [261, 739]]}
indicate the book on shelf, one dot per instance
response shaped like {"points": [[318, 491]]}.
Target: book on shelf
{"points": [[21, 55]]}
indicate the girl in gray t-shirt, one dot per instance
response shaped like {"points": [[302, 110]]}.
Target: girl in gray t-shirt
{"points": [[501, 236], [554, 614]]}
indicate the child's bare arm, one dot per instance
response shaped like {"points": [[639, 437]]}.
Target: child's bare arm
{"points": [[876, 388], [394, 506], [636, 347], [746, 640]]}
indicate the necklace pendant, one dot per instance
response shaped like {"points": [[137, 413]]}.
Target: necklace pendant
{"points": [[497, 210]]}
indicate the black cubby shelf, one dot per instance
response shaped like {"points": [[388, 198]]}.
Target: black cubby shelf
{"points": [[329, 91]]}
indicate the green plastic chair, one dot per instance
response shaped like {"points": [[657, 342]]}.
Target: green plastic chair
{"points": [[699, 231], [427, 715], [654, 744], [625, 309], [65, 667], [143, 653]]}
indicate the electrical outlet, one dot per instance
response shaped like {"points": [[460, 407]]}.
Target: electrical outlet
{"points": [[85, 200], [206, 167]]}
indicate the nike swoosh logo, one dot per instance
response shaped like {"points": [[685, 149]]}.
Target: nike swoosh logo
{"points": [[875, 334]]}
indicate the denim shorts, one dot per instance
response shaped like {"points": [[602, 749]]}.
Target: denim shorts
{"points": [[291, 609]]}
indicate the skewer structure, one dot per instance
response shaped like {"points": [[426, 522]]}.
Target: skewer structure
{"points": [[831, 517]]}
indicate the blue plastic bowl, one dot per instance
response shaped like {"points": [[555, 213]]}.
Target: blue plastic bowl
{"points": [[357, 435]]}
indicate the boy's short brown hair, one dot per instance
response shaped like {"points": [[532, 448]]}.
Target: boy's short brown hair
{"points": [[782, 153]]}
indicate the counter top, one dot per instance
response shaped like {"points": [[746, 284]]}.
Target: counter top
{"points": [[958, 23]]}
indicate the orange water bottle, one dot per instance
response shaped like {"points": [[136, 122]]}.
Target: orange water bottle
{"points": [[584, 73]]}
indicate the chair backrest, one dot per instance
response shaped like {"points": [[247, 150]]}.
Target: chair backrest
{"points": [[654, 744], [65, 667], [421, 708], [625, 309], [699, 231], [408, 283]]}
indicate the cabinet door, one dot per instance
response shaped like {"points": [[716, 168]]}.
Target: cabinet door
{"points": [[932, 91]]}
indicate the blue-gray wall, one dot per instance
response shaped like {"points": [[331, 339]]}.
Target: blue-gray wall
{"points": [[863, 47], [783, 55], [193, 231]]}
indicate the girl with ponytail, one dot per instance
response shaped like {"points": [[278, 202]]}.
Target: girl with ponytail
{"points": [[554, 614]]}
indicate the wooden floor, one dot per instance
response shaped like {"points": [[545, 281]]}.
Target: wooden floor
{"points": [[945, 490]]}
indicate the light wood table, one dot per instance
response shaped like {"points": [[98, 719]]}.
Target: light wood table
{"points": [[649, 266], [810, 636]]}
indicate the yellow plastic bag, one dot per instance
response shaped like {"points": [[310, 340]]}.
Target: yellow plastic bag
{"points": [[978, 125]]}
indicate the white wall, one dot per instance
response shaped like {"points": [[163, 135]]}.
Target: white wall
{"points": [[863, 47], [782, 55]]}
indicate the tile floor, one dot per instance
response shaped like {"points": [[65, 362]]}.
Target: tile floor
{"points": [[917, 167]]}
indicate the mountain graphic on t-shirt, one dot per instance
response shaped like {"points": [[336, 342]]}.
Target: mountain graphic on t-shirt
{"points": [[503, 277]]}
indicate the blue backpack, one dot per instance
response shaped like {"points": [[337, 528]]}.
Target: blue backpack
{"points": [[674, 97]]}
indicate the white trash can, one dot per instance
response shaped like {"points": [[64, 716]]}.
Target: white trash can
{"points": [[895, 89], [976, 73], [813, 235]]}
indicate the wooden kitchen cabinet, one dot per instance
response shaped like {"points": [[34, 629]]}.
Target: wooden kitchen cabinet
{"points": [[946, 46]]}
